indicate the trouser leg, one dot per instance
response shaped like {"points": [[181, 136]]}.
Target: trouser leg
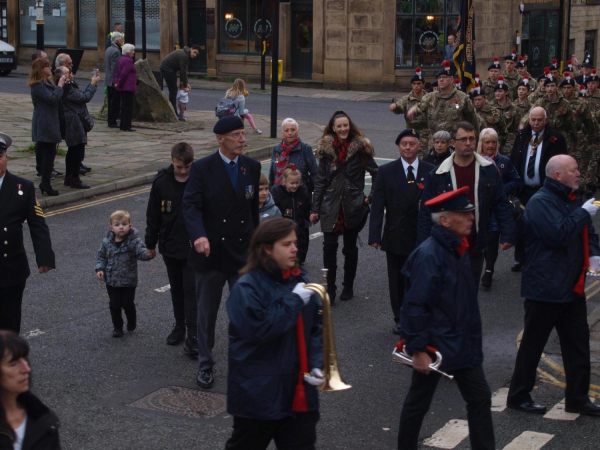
{"points": [[73, 160], [477, 268], [114, 105], [47, 154], [128, 297], [302, 234], [10, 307], [38, 159], [491, 252], [396, 282], [526, 193], [298, 432], [330, 248], [171, 80], [175, 275], [182, 109], [251, 434], [115, 304], [126, 110], [350, 252], [189, 294]]}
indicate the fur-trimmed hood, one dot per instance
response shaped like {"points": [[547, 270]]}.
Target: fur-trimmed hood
{"points": [[357, 145]]}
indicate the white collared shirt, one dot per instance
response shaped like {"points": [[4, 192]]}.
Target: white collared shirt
{"points": [[535, 181], [2, 180], [415, 166], [226, 159]]}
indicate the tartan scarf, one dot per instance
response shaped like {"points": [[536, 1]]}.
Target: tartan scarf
{"points": [[283, 159]]}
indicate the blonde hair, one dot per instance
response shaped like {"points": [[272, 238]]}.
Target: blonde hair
{"points": [[120, 215], [238, 88], [486, 133], [36, 75], [291, 169]]}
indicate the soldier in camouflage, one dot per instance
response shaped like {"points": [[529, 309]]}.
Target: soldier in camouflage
{"points": [[511, 76], [494, 71], [522, 69], [585, 124], [509, 111], [489, 116], [447, 107], [593, 100], [555, 71], [522, 102], [541, 89], [419, 122]]}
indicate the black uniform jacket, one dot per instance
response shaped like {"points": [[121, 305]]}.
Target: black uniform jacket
{"points": [[212, 209], [15, 208], [401, 202]]}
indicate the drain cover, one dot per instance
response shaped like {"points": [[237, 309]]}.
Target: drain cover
{"points": [[183, 402]]}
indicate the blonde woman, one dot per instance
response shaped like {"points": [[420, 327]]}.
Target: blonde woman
{"points": [[238, 93]]}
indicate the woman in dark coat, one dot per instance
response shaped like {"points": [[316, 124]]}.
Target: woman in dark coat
{"points": [[293, 151], [46, 121], [126, 84], [339, 202], [25, 422], [76, 113]]}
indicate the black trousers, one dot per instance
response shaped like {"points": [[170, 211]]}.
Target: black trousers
{"points": [[127, 98], [525, 194], [121, 298], [114, 105], [491, 252], [73, 160], [396, 282], [171, 80], [183, 293], [350, 252], [477, 268], [570, 320], [209, 290], [47, 153], [303, 240], [474, 390], [38, 160], [11, 299], [292, 433]]}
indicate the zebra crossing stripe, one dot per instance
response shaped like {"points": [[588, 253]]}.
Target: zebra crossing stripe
{"points": [[450, 435], [499, 400], [558, 412], [529, 440]]}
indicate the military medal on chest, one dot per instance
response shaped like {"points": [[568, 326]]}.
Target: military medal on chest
{"points": [[20, 191], [169, 206], [162, 206]]}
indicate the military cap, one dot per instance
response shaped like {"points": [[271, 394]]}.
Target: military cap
{"points": [[5, 142], [569, 66], [582, 90], [550, 79], [524, 82], [512, 57], [451, 201], [434, 83], [587, 62], [593, 77], [418, 76], [542, 77], [567, 80], [521, 62], [554, 64], [495, 64], [445, 70], [501, 85], [408, 132], [227, 124], [458, 84], [477, 78], [476, 91]]}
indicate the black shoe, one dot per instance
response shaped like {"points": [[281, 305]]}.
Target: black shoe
{"points": [[86, 168], [331, 293], [131, 324], [67, 181], [589, 409], [397, 330], [347, 293], [529, 407], [82, 171], [516, 267], [78, 184], [190, 347], [38, 175], [118, 332], [48, 190], [177, 335], [486, 280], [113, 125], [205, 379], [131, 129], [57, 174]]}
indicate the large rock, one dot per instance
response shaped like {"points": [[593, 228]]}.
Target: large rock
{"points": [[151, 104]]}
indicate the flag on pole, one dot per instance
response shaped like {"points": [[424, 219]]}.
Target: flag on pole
{"points": [[464, 54]]}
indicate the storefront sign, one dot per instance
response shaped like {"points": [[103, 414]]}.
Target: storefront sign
{"points": [[429, 41], [258, 29], [233, 28]]}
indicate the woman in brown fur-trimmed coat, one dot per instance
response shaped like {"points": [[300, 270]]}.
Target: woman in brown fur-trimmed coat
{"points": [[339, 202]]}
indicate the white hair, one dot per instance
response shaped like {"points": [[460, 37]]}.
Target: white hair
{"points": [[127, 48], [486, 133], [435, 217], [290, 121], [61, 59], [116, 36]]}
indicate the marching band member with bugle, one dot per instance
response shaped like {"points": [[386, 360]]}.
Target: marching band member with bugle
{"points": [[275, 346], [440, 310]]}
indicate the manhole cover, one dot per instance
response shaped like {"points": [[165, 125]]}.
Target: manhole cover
{"points": [[183, 402]]}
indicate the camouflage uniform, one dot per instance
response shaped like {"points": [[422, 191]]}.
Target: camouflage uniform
{"points": [[532, 82], [418, 123], [560, 118], [491, 117], [488, 86], [586, 126], [523, 108], [443, 111], [512, 81], [593, 102], [512, 116]]}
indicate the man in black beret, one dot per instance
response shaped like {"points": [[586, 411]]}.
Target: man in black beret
{"points": [[220, 207], [18, 203]]}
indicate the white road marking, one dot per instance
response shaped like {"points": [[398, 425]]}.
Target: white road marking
{"points": [[164, 288], [499, 400], [34, 333], [529, 440], [315, 236], [450, 435], [558, 412]]}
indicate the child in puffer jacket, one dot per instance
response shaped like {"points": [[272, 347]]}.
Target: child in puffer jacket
{"points": [[266, 205], [116, 264]]}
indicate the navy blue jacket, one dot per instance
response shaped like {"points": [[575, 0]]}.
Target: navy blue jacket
{"points": [[293, 205], [212, 209], [510, 179], [263, 349], [393, 194], [440, 304], [553, 257], [491, 199]]}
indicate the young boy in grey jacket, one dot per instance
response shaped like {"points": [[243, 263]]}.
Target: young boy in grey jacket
{"points": [[116, 264]]}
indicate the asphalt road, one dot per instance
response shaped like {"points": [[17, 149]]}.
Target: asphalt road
{"points": [[90, 378]]}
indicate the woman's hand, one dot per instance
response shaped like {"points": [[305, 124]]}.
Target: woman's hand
{"points": [[62, 80], [95, 79], [314, 218]]}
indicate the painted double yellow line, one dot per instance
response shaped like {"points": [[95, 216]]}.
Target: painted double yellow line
{"points": [[97, 202]]}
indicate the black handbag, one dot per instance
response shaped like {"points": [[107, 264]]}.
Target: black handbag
{"points": [[516, 207], [87, 124]]}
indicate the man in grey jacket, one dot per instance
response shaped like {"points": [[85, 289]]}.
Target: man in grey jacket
{"points": [[177, 61], [111, 62]]}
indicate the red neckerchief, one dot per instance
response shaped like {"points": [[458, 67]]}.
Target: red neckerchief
{"points": [[283, 159], [579, 288], [462, 247]]}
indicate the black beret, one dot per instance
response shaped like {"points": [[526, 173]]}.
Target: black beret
{"points": [[5, 142], [227, 124], [408, 132]]}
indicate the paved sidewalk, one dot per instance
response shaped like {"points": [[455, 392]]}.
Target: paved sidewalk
{"points": [[119, 159]]}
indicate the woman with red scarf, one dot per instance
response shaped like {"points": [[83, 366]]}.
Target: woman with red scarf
{"points": [[339, 202]]}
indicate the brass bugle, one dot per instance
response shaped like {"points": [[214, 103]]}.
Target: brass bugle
{"points": [[331, 371], [595, 203], [400, 355]]}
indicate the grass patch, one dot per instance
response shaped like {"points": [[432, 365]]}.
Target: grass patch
{"points": [[59, 152], [228, 79]]}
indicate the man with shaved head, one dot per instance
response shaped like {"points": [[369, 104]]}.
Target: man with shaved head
{"points": [[534, 146], [561, 246]]}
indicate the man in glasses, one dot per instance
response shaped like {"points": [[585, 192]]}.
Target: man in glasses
{"points": [[466, 168], [220, 208]]}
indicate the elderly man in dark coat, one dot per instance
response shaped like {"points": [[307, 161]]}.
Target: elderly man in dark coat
{"points": [[111, 63], [440, 309], [561, 245]]}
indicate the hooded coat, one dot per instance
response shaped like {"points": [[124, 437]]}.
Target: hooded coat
{"points": [[119, 264], [269, 209]]}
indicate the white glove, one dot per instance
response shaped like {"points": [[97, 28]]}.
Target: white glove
{"points": [[594, 269], [315, 378], [304, 293], [590, 208]]}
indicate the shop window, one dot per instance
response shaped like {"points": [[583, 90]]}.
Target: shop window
{"points": [[88, 24], [241, 26], [117, 14], [3, 19], [422, 30], [55, 23]]}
